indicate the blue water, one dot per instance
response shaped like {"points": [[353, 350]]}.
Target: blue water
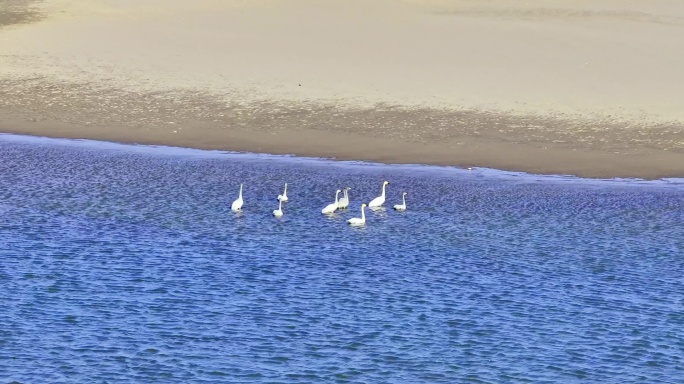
{"points": [[125, 264]]}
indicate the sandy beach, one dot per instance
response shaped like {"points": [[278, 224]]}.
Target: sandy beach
{"points": [[590, 88]]}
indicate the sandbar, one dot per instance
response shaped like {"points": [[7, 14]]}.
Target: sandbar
{"points": [[588, 88]]}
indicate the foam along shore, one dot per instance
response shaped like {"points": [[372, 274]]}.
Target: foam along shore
{"points": [[587, 88]]}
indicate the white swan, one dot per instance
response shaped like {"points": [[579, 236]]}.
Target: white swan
{"points": [[402, 206], [279, 212], [283, 197], [344, 200], [359, 221], [237, 204], [380, 200], [330, 208]]}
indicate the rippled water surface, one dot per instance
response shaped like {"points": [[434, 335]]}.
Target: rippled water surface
{"points": [[125, 264]]}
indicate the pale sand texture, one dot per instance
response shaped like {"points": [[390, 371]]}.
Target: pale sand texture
{"points": [[594, 88]]}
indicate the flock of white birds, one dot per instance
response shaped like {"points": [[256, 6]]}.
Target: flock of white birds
{"points": [[340, 203]]}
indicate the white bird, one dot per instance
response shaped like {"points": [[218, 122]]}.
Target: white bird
{"points": [[237, 204], [402, 206], [279, 212], [344, 200], [330, 208], [380, 200], [361, 220], [283, 197]]}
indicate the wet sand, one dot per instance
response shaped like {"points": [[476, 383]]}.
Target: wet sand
{"points": [[365, 81], [14, 12]]}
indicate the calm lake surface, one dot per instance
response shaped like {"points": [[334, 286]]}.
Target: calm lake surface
{"points": [[125, 264]]}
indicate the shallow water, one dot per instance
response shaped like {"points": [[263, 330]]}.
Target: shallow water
{"points": [[125, 263]]}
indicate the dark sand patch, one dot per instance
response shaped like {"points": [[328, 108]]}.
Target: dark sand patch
{"points": [[386, 133], [18, 12]]}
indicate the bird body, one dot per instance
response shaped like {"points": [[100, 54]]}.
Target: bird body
{"points": [[359, 220], [279, 212], [283, 197], [330, 208], [237, 204], [402, 206], [380, 200], [344, 200]]}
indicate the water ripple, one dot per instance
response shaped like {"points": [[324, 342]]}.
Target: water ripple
{"points": [[126, 263]]}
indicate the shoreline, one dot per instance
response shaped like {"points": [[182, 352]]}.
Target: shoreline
{"points": [[566, 88], [160, 150], [645, 164]]}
